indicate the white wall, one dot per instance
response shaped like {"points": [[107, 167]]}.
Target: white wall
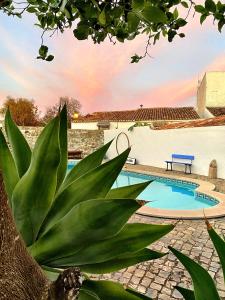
{"points": [[88, 125], [93, 125], [153, 147]]}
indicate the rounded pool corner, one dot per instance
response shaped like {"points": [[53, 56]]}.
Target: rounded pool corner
{"points": [[203, 189]]}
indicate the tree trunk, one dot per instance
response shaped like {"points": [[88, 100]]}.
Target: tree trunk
{"points": [[20, 275]]}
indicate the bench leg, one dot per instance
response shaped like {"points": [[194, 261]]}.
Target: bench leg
{"points": [[186, 169], [167, 166]]}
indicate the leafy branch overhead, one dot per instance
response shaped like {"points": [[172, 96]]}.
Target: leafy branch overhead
{"points": [[116, 20]]}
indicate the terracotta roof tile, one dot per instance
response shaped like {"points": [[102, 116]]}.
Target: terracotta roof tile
{"points": [[217, 111], [217, 121], [143, 114]]}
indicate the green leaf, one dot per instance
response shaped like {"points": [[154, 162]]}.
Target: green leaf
{"points": [[31, 10], [133, 22], [43, 50], [204, 286], [92, 185], [221, 24], [154, 15], [49, 57], [63, 146], [186, 293], [181, 22], [121, 262], [202, 18], [138, 4], [86, 295], [132, 238], [81, 32], [210, 5], [175, 13], [131, 191], [141, 296], [200, 9], [8, 167], [185, 4], [35, 191], [86, 223], [109, 290], [20, 148], [52, 276], [88, 163], [102, 18], [219, 245]]}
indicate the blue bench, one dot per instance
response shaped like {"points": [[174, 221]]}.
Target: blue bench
{"points": [[179, 159]]}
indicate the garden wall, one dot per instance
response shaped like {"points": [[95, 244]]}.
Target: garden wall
{"points": [[84, 140], [153, 147]]}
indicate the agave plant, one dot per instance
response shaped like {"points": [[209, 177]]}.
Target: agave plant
{"points": [[203, 284], [69, 220]]}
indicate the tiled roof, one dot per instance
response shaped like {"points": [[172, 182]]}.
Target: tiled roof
{"points": [[143, 114], [217, 111], [216, 121]]}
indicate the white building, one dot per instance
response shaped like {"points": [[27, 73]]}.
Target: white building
{"points": [[211, 95], [210, 103], [127, 118]]}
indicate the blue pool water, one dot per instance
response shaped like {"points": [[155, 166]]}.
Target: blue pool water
{"points": [[165, 193]]}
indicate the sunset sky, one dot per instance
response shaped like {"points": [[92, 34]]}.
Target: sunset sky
{"points": [[101, 77]]}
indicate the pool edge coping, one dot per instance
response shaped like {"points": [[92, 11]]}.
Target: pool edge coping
{"points": [[204, 187]]}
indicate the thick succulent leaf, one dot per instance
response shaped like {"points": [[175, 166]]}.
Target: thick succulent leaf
{"points": [[130, 191], [121, 262], [141, 296], [63, 146], [20, 149], [219, 245], [87, 295], [86, 223], [92, 185], [52, 276], [109, 290], [186, 293], [35, 191], [88, 163], [204, 286], [8, 167], [132, 238]]}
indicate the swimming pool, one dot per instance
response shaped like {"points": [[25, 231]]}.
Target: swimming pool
{"points": [[165, 193]]}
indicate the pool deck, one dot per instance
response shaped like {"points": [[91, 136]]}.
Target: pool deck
{"points": [[205, 187], [158, 278]]}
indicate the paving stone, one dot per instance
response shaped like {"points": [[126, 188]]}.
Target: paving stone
{"points": [[158, 278]]}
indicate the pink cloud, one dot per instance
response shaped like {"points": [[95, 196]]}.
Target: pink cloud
{"points": [[169, 94]]}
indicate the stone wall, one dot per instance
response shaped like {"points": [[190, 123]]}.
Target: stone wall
{"points": [[85, 140]]}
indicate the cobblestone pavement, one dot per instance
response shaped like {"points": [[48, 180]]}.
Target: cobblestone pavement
{"points": [[157, 278]]}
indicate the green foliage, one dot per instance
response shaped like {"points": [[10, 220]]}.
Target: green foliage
{"points": [[204, 286], [38, 184], [8, 167], [75, 218], [131, 191], [219, 245], [20, 149], [116, 20], [108, 290], [186, 293], [62, 168]]}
